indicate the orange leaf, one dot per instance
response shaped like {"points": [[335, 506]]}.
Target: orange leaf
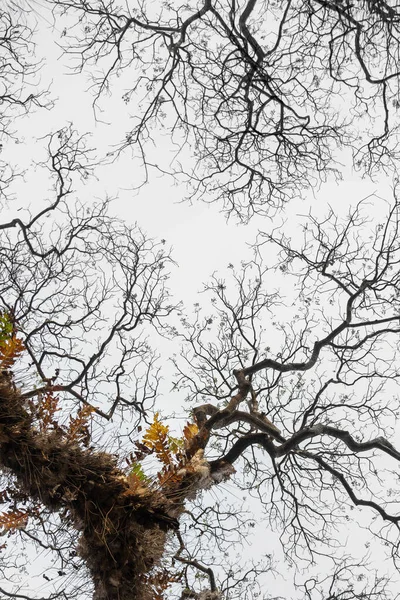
{"points": [[78, 429], [189, 431], [13, 520], [10, 349], [46, 409]]}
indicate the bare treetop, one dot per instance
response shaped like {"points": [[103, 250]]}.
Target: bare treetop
{"points": [[266, 94]]}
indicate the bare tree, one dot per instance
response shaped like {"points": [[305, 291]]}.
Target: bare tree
{"points": [[266, 93], [322, 404], [296, 407], [304, 424]]}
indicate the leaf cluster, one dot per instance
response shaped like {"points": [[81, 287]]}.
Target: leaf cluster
{"points": [[169, 450], [11, 346]]}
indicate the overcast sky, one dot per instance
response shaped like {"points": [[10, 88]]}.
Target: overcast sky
{"points": [[202, 240]]}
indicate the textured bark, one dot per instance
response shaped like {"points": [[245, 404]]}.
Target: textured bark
{"points": [[122, 532], [123, 528]]}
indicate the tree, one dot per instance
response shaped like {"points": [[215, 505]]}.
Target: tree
{"points": [[303, 419], [255, 87]]}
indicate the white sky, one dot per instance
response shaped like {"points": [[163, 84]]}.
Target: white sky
{"points": [[202, 240]]}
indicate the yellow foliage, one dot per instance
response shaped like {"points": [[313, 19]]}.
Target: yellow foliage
{"points": [[189, 431], [169, 450], [157, 439], [11, 346], [10, 349], [6, 326]]}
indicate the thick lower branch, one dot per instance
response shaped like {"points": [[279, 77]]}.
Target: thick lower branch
{"points": [[317, 430], [264, 440], [239, 447]]}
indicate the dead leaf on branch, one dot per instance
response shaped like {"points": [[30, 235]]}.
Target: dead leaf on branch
{"points": [[78, 429], [12, 520], [190, 431], [10, 349], [45, 409], [11, 346]]}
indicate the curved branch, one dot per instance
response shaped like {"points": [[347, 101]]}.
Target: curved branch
{"points": [[269, 363], [195, 563], [355, 499]]}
